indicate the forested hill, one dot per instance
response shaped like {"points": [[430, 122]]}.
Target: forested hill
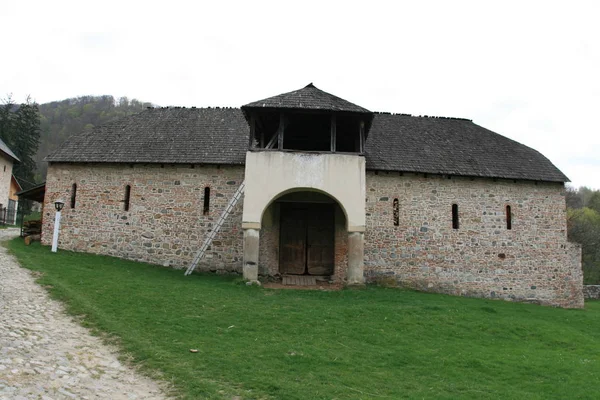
{"points": [[61, 119], [583, 226]]}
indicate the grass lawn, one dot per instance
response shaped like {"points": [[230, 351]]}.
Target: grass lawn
{"points": [[34, 216], [375, 343]]}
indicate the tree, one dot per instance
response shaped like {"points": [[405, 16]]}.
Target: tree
{"points": [[61, 119], [594, 201], [20, 130], [573, 198], [583, 227]]}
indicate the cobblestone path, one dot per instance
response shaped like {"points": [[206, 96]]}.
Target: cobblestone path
{"points": [[45, 355]]}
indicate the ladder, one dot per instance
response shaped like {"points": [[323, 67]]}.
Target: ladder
{"points": [[236, 197], [211, 235]]}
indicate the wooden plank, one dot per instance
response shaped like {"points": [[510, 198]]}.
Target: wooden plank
{"points": [[272, 141], [292, 256], [299, 280], [252, 131], [280, 132], [333, 132], [307, 239], [362, 137], [320, 239], [262, 139]]}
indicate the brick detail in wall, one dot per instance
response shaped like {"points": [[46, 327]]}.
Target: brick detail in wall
{"points": [[165, 224], [531, 262]]}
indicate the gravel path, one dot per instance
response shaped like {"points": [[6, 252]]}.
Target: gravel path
{"points": [[45, 355]]}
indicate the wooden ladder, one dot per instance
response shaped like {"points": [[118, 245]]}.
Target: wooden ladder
{"points": [[211, 235]]}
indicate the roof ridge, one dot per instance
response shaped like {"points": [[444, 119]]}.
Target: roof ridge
{"points": [[193, 108], [420, 116]]}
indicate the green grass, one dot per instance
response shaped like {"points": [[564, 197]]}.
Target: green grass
{"points": [[34, 216], [375, 343]]}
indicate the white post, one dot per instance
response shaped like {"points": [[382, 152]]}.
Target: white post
{"points": [[55, 235]]}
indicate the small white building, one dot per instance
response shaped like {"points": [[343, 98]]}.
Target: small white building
{"points": [[8, 183]]}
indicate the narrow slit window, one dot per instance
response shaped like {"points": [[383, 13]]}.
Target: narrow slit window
{"points": [[508, 218], [73, 195], [127, 197], [396, 213], [454, 216], [206, 208]]}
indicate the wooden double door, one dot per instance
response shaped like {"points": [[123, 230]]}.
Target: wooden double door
{"points": [[306, 239]]}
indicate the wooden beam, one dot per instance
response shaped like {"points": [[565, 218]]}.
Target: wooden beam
{"points": [[272, 141], [262, 139], [259, 125], [333, 132], [280, 132], [362, 137], [252, 131]]}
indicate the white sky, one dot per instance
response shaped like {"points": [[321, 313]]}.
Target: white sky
{"points": [[529, 70]]}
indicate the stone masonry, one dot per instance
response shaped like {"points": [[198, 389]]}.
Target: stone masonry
{"points": [[533, 261], [591, 292], [165, 223]]}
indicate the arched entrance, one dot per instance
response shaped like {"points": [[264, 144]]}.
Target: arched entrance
{"points": [[274, 178], [304, 234]]}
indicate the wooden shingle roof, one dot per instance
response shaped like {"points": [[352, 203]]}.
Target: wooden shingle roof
{"points": [[6, 150], [164, 136], [395, 143], [452, 146], [307, 98]]}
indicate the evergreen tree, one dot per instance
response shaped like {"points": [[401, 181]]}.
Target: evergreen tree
{"points": [[20, 130]]}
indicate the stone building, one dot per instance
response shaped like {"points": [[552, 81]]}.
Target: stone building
{"points": [[332, 192]]}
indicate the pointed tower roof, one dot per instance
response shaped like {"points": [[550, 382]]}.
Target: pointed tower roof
{"points": [[308, 98]]}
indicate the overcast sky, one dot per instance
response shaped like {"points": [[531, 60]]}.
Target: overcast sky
{"points": [[528, 70]]}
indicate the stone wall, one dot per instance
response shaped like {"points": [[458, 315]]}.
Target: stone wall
{"points": [[533, 261], [165, 223], [6, 165], [591, 292], [268, 256]]}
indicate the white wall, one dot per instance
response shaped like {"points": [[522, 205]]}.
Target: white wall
{"points": [[270, 174], [6, 166]]}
